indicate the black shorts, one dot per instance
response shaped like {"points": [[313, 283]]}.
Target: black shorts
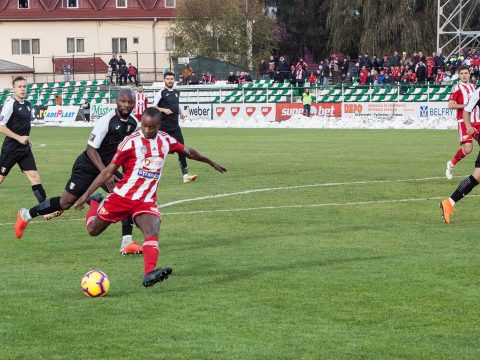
{"points": [[83, 175], [175, 133], [24, 159]]}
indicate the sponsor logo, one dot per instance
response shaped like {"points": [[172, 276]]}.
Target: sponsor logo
{"points": [[266, 110], [235, 110], [287, 111], [60, 114], [4, 169], [424, 111], [103, 211], [352, 108], [99, 110], [118, 127], [153, 163], [197, 111], [154, 209], [148, 174], [465, 137], [19, 109], [71, 186], [220, 111], [92, 137], [250, 110]]}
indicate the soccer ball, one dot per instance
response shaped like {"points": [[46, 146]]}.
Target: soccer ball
{"points": [[95, 283]]}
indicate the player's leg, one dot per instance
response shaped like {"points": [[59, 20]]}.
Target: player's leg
{"points": [[466, 148], [149, 224], [182, 160], [95, 224], [465, 187], [129, 246], [8, 159], [29, 167]]}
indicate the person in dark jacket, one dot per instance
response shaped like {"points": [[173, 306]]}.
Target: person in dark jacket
{"points": [[113, 63], [283, 67], [123, 74], [421, 72]]}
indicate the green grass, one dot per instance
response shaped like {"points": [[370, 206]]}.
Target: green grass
{"points": [[365, 281]]}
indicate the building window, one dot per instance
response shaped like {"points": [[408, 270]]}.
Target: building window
{"points": [[71, 3], [75, 45], [169, 45], [135, 40], [170, 3], [121, 3], [25, 46], [119, 45], [23, 4]]}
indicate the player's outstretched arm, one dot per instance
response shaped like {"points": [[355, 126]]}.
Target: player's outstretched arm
{"points": [[106, 174], [194, 154], [7, 132]]}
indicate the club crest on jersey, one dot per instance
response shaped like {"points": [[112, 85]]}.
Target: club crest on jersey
{"points": [[128, 128], [143, 149]]}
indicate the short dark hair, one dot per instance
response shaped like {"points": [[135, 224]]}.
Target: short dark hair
{"points": [[18, 78], [168, 73], [154, 113], [463, 67]]}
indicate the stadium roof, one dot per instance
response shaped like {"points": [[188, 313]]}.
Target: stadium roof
{"points": [[10, 67]]}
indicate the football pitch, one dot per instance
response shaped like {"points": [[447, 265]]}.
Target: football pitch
{"points": [[317, 244]]}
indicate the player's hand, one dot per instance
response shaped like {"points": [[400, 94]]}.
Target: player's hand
{"points": [[166, 111], [218, 167], [470, 129], [24, 140], [110, 184], [80, 204]]}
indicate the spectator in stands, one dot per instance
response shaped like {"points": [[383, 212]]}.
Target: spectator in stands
{"points": [[123, 74], [67, 70], [86, 110], [58, 100], [405, 60], [232, 79], [186, 72], [395, 74], [108, 75], [272, 65], [326, 72], [132, 73], [447, 78], [283, 67], [411, 77], [344, 65], [278, 78], [312, 79], [421, 71], [363, 76], [113, 63], [440, 76], [300, 75], [263, 69], [382, 78], [193, 79], [439, 61], [180, 81], [430, 73], [347, 80], [335, 69], [248, 78], [121, 61], [396, 59], [303, 65]]}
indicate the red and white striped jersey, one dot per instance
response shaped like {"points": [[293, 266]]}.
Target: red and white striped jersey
{"points": [[141, 103], [461, 93], [143, 161]]}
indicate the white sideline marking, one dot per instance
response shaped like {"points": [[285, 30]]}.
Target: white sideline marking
{"points": [[246, 192], [376, 202], [366, 182], [37, 146]]}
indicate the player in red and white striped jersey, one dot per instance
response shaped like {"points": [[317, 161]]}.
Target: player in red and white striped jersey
{"points": [[142, 155], [459, 97], [141, 102]]}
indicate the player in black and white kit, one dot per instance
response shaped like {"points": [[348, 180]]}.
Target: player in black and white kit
{"points": [[15, 124], [168, 103], [108, 132]]}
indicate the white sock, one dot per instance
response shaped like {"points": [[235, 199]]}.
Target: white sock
{"points": [[126, 239], [25, 214], [451, 201]]}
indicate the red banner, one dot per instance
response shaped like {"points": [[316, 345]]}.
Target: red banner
{"points": [[285, 111]]}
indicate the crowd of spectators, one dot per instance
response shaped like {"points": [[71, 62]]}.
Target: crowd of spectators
{"points": [[188, 77], [118, 72], [372, 70]]}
